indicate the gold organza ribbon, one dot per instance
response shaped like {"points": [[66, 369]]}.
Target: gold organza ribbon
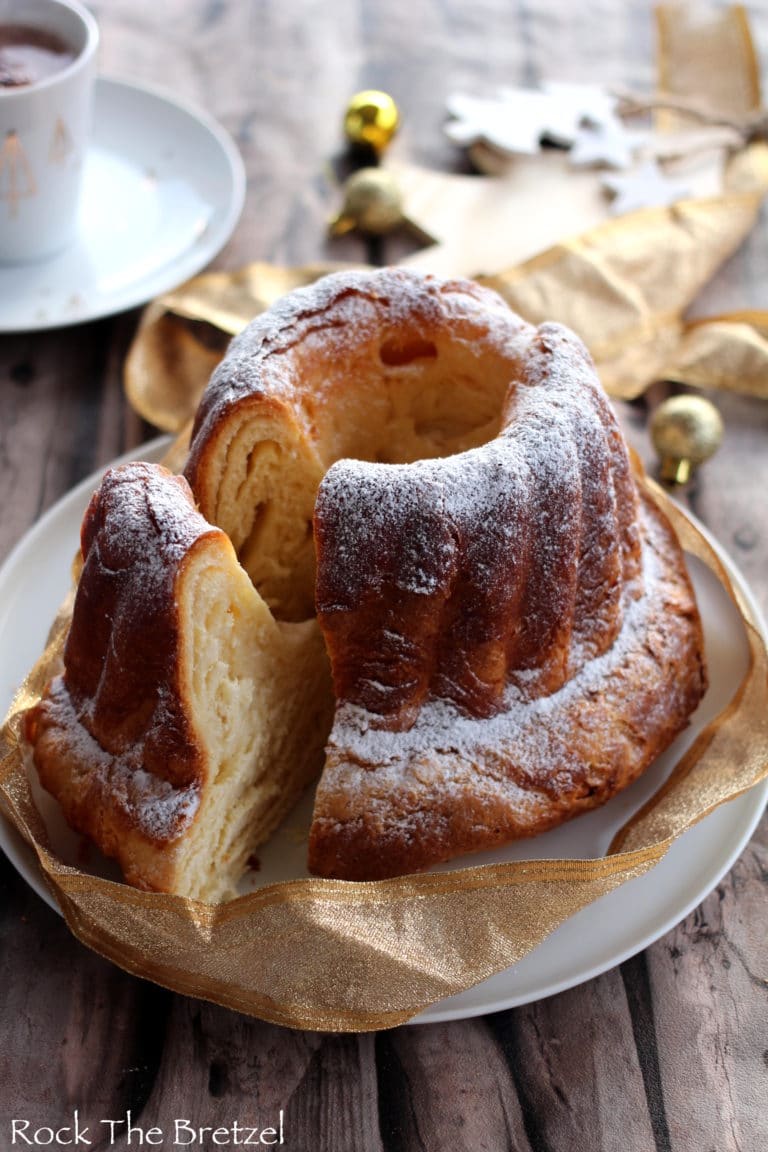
{"points": [[334, 955], [625, 285]]}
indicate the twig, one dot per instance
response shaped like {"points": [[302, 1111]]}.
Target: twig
{"points": [[753, 126]]}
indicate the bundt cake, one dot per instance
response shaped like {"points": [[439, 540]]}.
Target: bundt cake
{"points": [[512, 632], [187, 720], [444, 489]]}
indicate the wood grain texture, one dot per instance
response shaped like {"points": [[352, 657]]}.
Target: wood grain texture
{"points": [[669, 1052]]}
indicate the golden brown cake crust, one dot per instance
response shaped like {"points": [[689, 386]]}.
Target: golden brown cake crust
{"points": [[186, 721], [395, 802], [112, 738]]}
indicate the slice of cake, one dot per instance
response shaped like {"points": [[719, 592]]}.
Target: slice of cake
{"points": [[187, 720]]}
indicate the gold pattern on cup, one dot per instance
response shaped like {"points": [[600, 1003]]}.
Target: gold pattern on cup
{"points": [[62, 145], [16, 179]]}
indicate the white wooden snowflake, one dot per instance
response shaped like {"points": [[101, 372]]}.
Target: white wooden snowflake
{"points": [[513, 123], [586, 104], [517, 120], [643, 187], [607, 144]]}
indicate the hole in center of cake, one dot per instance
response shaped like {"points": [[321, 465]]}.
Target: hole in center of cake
{"points": [[409, 397], [397, 397]]}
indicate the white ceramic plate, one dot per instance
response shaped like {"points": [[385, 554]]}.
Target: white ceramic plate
{"points": [[33, 581], [163, 190]]}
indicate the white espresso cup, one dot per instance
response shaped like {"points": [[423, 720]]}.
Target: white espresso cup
{"points": [[44, 127]]}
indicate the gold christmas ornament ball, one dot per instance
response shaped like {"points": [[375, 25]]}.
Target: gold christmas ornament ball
{"points": [[686, 431], [373, 203], [371, 118]]}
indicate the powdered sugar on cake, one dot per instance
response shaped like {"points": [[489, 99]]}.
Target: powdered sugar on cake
{"points": [[440, 727], [337, 315], [158, 809], [530, 751], [515, 552]]}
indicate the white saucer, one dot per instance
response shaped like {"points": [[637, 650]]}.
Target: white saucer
{"points": [[163, 190], [33, 581]]}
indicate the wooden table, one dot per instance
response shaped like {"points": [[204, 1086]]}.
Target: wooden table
{"points": [[667, 1051]]}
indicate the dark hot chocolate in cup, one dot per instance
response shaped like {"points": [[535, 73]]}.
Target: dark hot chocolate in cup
{"points": [[47, 71], [30, 54]]}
